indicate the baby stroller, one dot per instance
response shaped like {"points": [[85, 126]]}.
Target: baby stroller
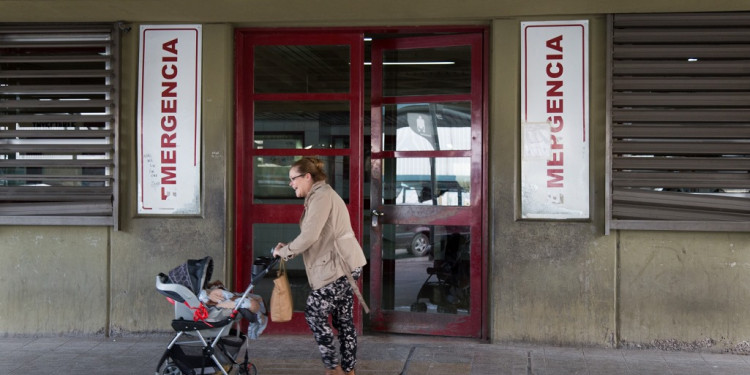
{"points": [[449, 289], [209, 344]]}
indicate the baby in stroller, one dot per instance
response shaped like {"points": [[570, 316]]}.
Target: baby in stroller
{"points": [[220, 302], [207, 321]]}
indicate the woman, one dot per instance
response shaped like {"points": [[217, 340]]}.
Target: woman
{"points": [[333, 259]]}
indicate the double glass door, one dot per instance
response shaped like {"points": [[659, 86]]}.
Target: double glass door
{"points": [[398, 122]]}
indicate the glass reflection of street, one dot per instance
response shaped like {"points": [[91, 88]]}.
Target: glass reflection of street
{"points": [[411, 273], [433, 283]]}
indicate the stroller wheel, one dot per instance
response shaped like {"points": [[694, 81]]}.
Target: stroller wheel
{"points": [[171, 369], [447, 309], [419, 307], [248, 369]]}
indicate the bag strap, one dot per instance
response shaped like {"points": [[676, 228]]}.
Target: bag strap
{"points": [[349, 277], [282, 268]]}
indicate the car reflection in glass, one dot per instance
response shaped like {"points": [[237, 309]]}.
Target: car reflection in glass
{"points": [[415, 239], [419, 241]]}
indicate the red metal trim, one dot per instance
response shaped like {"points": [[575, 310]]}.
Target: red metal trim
{"points": [[426, 99], [297, 38], [242, 54], [297, 32], [423, 154], [298, 152], [376, 173], [277, 214], [427, 41], [478, 264], [356, 119], [485, 229], [301, 97]]}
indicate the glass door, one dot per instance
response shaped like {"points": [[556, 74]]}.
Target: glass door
{"points": [[298, 94], [426, 185]]}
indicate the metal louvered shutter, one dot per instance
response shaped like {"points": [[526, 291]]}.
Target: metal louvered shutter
{"points": [[58, 124], [679, 122]]}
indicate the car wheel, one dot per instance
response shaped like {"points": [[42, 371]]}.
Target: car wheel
{"points": [[420, 245]]}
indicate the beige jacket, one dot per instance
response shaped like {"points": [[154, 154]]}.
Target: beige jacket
{"points": [[324, 226]]}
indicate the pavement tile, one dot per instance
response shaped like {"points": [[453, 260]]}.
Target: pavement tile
{"points": [[643, 355], [721, 358], [609, 369], [650, 368], [575, 365], [700, 368], [76, 345], [487, 368], [603, 353], [500, 358], [13, 358], [433, 368], [8, 368], [378, 355]]}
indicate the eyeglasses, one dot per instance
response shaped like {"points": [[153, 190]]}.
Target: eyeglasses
{"points": [[291, 179]]}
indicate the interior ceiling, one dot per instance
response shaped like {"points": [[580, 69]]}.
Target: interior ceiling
{"points": [[325, 69]]}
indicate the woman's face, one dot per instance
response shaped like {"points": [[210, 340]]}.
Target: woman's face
{"points": [[300, 182]]}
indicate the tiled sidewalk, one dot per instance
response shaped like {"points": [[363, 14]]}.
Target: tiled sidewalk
{"points": [[378, 354]]}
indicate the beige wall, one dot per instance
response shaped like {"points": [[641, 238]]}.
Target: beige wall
{"points": [[333, 12], [554, 282], [550, 281], [689, 287], [55, 280]]}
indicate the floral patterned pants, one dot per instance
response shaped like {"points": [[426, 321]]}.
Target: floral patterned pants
{"points": [[335, 299]]}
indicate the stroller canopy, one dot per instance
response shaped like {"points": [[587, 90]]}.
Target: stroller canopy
{"points": [[193, 274]]}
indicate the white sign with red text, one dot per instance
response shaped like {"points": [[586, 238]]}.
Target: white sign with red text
{"points": [[168, 120], [555, 120]]}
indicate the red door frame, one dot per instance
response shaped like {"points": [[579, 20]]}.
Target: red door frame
{"points": [[247, 213], [436, 324]]}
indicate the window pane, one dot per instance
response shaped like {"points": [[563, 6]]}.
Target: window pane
{"points": [[271, 178], [427, 181], [427, 127], [432, 268], [427, 71], [301, 69], [298, 125]]}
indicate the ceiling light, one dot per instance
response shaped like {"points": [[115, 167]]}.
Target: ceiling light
{"points": [[416, 63]]}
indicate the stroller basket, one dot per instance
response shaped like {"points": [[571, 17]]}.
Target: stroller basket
{"points": [[204, 343], [192, 358]]}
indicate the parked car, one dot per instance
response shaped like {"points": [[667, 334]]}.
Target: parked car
{"points": [[416, 238]]}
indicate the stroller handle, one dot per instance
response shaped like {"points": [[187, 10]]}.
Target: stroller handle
{"points": [[271, 264], [253, 278]]}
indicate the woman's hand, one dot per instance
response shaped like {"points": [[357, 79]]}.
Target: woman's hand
{"points": [[228, 304], [277, 248]]}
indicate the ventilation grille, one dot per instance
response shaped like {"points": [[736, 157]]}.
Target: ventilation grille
{"points": [[680, 118], [58, 124]]}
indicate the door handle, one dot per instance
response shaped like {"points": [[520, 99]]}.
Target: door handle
{"points": [[375, 214]]}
